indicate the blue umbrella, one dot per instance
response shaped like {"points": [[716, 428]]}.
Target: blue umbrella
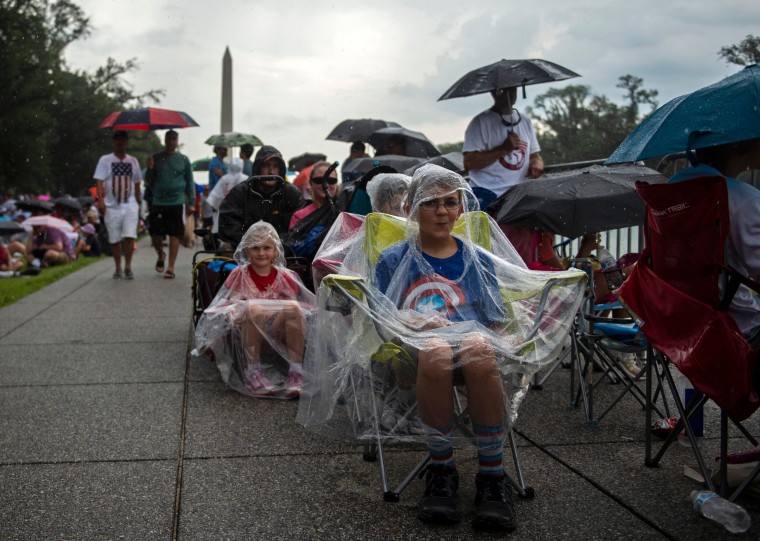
{"points": [[725, 112]]}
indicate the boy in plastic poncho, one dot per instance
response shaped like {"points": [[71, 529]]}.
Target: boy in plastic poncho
{"points": [[438, 280]]}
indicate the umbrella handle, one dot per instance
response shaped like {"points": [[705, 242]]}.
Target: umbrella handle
{"points": [[323, 181]]}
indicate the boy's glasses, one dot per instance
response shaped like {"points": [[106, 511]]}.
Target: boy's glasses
{"points": [[433, 204]]}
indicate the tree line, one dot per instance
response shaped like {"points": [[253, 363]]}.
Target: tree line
{"points": [[49, 114]]}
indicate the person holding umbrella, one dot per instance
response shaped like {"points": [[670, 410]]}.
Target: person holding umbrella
{"points": [[216, 167], [500, 148], [118, 179], [170, 178]]}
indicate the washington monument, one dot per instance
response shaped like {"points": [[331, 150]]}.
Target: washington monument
{"points": [[227, 91]]}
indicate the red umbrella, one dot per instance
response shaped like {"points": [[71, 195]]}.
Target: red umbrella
{"points": [[303, 176], [148, 118]]}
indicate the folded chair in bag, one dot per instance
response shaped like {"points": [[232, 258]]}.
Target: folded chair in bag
{"points": [[680, 292], [598, 342], [362, 360]]}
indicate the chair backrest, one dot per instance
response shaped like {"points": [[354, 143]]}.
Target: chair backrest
{"points": [[686, 227], [384, 230], [673, 290]]}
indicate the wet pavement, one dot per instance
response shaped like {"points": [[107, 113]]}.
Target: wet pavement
{"points": [[109, 430]]}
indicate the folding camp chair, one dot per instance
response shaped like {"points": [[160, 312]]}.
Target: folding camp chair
{"points": [[367, 391], [674, 293], [598, 340]]}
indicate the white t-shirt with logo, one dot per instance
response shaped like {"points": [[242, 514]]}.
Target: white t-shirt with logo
{"points": [[121, 177], [487, 131]]}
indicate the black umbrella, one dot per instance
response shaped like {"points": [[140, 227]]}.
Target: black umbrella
{"points": [[305, 160], [453, 161], [10, 227], [85, 200], [35, 205], [573, 203], [68, 202], [507, 74], [358, 129], [416, 144], [399, 163]]}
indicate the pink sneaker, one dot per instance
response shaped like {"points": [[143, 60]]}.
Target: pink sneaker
{"points": [[293, 384], [257, 383]]}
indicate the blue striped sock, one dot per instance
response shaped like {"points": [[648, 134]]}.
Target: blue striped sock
{"points": [[490, 443], [440, 445]]}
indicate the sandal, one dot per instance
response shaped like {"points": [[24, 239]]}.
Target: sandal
{"points": [[169, 275], [160, 263]]}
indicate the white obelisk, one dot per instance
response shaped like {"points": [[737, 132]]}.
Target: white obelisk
{"points": [[227, 91]]}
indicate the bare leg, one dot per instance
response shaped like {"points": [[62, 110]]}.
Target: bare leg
{"points": [[173, 251], [116, 251], [434, 383], [485, 395], [289, 321], [129, 248], [252, 337]]}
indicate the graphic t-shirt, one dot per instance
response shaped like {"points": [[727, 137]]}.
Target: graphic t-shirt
{"points": [[454, 290], [121, 178]]}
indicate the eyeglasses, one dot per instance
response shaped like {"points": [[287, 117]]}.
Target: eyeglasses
{"points": [[330, 180], [433, 204]]}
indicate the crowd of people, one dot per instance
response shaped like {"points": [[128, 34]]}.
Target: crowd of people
{"points": [[434, 278]]}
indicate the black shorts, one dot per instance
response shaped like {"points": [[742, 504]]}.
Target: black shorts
{"points": [[166, 220]]}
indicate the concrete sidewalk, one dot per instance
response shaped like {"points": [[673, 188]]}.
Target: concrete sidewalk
{"points": [[109, 431]]}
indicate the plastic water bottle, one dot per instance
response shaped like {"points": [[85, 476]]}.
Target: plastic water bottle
{"points": [[606, 259], [697, 421], [731, 516]]}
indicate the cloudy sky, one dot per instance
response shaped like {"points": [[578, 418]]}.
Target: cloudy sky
{"points": [[302, 66]]}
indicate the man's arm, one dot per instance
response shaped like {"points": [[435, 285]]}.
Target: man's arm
{"points": [[535, 165], [483, 158], [137, 179], [231, 218], [189, 187], [101, 203]]}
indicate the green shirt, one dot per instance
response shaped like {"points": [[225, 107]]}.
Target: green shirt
{"points": [[171, 180]]}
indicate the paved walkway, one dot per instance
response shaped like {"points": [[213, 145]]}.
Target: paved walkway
{"points": [[109, 431]]}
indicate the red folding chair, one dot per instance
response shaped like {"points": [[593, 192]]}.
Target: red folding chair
{"points": [[675, 296]]}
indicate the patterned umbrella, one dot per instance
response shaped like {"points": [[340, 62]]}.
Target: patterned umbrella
{"points": [[148, 118]]}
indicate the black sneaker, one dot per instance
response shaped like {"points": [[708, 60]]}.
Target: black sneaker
{"points": [[493, 503], [439, 501]]}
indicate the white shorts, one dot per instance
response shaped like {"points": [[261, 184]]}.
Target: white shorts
{"points": [[121, 222]]}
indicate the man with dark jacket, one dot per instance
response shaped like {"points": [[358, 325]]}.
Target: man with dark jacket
{"points": [[273, 201]]}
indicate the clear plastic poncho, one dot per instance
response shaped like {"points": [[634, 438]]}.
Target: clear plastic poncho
{"points": [[387, 193], [431, 316], [258, 325]]}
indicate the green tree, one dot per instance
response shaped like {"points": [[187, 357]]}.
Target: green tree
{"points": [[445, 148], [574, 125], [49, 140], [746, 53]]}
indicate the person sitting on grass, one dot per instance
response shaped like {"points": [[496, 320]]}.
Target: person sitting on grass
{"points": [[49, 246], [89, 245], [270, 305], [8, 263]]}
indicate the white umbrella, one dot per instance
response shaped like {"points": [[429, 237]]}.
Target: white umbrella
{"points": [[48, 221]]}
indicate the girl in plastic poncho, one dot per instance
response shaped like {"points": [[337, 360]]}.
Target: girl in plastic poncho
{"points": [[268, 303], [437, 280]]}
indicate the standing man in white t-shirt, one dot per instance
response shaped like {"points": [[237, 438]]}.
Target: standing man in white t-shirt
{"points": [[118, 177], [500, 148], [500, 151]]}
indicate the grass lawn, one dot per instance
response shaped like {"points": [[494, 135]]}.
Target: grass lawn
{"points": [[12, 289]]}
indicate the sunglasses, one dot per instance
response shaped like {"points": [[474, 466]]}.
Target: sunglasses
{"points": [[330, 180]]}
